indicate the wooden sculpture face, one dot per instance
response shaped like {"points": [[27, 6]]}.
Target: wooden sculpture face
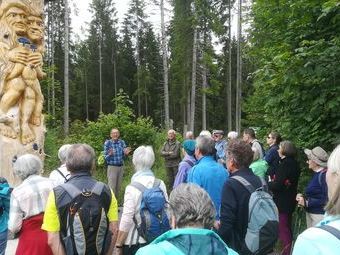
{"points": [[16, 18], [35, 29]]}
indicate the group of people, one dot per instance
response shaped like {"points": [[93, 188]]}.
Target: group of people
{"points": [[212, 163], [207, 211]]}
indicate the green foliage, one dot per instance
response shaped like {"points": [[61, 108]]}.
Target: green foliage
{"points": [[298, 69]]}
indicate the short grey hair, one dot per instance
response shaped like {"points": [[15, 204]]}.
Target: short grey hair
{"points": [[232, 135], [27, 165], [62, 152], [80, 158], [333, 164], [205, 133], [189, 135], [206, 145], [191, 205], [143, 158], [172, 131]]}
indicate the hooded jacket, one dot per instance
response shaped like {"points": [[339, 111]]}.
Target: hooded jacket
{"points": [[187, 241]]}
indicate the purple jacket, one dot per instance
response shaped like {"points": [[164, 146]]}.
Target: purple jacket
{"points": [[184, 166]]}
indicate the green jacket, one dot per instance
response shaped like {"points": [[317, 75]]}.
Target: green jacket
{"points": [[259, 167], [187, 241]]}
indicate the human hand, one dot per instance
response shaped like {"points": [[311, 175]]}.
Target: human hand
{"points": [[300, 199], [217, 224], [118, 251], [127, 150], [18, 55], [111, 151]]}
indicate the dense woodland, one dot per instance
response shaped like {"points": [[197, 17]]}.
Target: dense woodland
{"points": [[289, 78]]}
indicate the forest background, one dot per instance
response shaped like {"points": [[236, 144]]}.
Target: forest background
{"points": [[289, 80]]}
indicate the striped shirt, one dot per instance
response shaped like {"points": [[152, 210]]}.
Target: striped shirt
{"points": [[27, 200], [118, 147]]}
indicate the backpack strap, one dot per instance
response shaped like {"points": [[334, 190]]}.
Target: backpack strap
{"points": [[98, 188], [244, 183], [264, 185], [190, 163], [71, 189], [61, 173], [320, 175], [156, 183], [138, 186], [332, 230]]}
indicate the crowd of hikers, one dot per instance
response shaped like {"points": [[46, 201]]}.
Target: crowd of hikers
{"points": [[223, 195]]}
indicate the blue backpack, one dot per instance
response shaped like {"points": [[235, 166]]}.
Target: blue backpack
{"points": [[153, 212]]}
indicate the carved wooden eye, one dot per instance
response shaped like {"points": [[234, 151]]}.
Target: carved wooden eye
{"points": [[6, 36]]}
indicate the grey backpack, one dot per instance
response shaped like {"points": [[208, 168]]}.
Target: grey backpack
{"points": [[263, 219], [83, 219]]}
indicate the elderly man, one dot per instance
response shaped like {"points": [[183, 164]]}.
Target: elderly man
{"points": [[192, 217], [171, 154], [82, 201], [220, 145], [250, 138], [61, 174], [115, 150], [207, 173]]}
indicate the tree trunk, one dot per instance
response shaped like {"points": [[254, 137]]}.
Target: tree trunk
{"points": [[239, 71], [204, 97], [229, 91], [66, 71], [86, 96], [165, 68], [193, 82], [100, 71], [138, 65]]}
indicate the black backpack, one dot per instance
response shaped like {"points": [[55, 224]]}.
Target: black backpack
{"points": [[83, 219]]}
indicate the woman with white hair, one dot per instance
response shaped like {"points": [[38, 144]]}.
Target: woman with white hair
{"points": [[27, 206], [325, 238], [192, 218], [129, 241], [61, 174]]}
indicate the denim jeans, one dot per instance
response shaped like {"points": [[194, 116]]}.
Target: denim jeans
{"points": [[3, 242]]}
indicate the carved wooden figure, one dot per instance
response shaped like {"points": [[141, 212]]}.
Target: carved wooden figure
{"points": [[21, 59]]}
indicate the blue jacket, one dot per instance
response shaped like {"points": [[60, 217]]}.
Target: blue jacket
{"points": [[316, 193], [187, 241], [272, 157], [315, 241], [5, 193], [211, 176]]}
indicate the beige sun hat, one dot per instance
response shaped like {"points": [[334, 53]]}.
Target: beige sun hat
{"points": [[318, 155]]}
